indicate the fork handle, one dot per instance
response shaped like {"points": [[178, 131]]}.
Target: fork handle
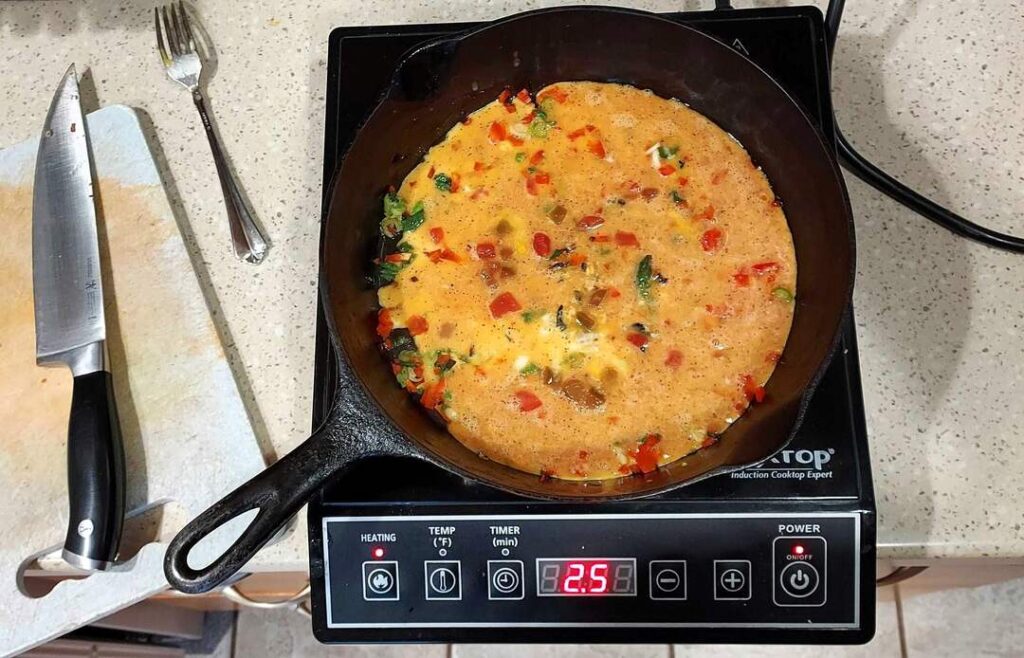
{"points": [[249, 243]]}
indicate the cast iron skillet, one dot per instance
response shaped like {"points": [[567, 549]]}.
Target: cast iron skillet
{"points": [[435, 86]]}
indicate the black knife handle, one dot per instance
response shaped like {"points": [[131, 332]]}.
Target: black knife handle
{"points": [[96, 474]]}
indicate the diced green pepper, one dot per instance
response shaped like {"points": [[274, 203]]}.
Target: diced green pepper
{"points": [[530, 369], [443, 182], [520, 157], [785, 294], [644, 273]]}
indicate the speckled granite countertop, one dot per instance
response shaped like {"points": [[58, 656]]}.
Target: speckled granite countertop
{"points": [[928, 89]]}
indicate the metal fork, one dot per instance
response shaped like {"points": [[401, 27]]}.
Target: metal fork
{"points": [[184, 65]]}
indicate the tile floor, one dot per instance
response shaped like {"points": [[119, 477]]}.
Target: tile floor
{"points": [[982, 621]]}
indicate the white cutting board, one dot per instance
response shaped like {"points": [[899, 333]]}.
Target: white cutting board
{"points": [[187, 436]]}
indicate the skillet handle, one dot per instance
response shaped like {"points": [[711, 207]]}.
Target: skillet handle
{"points": [[278, 493]]}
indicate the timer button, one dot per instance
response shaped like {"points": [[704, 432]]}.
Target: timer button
{"points": [[668, 580], [505, 580]]}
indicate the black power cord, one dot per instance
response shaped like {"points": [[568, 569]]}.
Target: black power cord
{"points": [[863, 169]]}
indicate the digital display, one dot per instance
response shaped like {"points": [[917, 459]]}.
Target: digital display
{"points": [[570, 576]]}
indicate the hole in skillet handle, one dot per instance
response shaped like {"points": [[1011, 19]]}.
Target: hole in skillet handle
{"points": [[277, 493]]}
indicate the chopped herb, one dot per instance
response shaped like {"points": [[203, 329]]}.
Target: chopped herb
{"points": [[443, 182], [405, 247], [531, 170], [387, 272], [530, 369], [520, 157], [547, 105], [644, 274], [783, 293], [529, 316], [409, 358], [391, 225], [666, 152], [561, 251], [676, 197], [604, 251], [415, 218], [560, 318], [573, 360], [447, 397], [540, 126], [403, 377]]}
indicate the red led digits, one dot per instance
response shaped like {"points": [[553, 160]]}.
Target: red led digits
{"points": [[586, 577]]}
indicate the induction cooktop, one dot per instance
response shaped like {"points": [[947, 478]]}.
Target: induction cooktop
{"points": [[401, 551]]}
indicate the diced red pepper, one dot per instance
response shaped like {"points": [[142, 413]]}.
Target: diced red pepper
{"points": [[576, 258], [455, 183], [528, 119], [486, 250], [769, 267], [537, 157], [528, 401], [497, 132], [505, 98], [514, 141], [504, 303], [437, 234], [478, 166], [576, 134], [601, 237], [430, 172], [776, 203], [531, 186], [674, 359], [625, 239], [639, 340], [395, 258], [439, 255], [614, 292], [741, 279], [523, 96], [554, 92], [434, 394], [542, 244], [467, 121], [384, 323], [646, 454], [542, 178], [707, 213], [751, 389], [597, 148], [683, 180], [772, 357], [719, 176], [584, 454], [417, 325], [590, 222], [710, 240], [666, 169]]}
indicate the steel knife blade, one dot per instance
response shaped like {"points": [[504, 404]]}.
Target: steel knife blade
{"points": [[71, 327]]}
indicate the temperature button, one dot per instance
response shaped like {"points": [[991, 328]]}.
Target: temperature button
{"points": [[443, 580], [732, 580], [505, 580], [668, 580], [380, 580]]}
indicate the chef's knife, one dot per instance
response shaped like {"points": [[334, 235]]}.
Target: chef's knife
{"points": [[71, 329]]}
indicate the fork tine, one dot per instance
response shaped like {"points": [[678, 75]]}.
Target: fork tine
{"points": [[179, 29], [169, 32], [160, 38], [189, 41]]}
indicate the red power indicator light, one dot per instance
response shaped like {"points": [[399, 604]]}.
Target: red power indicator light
{"points": [[798, 550], [377, 552]]}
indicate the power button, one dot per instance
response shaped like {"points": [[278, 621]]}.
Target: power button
{"points": [[800, 566]]}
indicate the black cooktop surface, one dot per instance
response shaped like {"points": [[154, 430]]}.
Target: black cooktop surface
{"points": [[828, 458]]}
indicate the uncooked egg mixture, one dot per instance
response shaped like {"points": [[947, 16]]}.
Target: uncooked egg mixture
{"points": [[588, 283]]}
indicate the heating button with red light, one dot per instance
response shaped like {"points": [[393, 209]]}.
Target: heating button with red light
{"points": [[799, 574]]}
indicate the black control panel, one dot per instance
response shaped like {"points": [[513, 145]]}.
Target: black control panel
{"points": [[536, 571]]}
